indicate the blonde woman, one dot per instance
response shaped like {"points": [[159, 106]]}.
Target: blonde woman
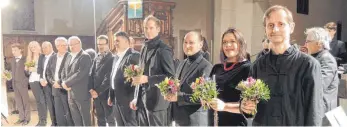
{"points": [[34, 52]]}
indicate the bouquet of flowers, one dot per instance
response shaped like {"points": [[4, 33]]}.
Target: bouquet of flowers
{"points": [[132, 71], [7, 75], [168, 87], [204, 89], [30, 63], [254, 90]]}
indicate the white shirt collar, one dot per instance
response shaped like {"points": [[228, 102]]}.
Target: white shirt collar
{"points": [[49, 54], [122, 53], [20, 57]]}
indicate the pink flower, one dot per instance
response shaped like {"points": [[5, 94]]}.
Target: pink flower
{"points": [[250, 81], [133, 67], [171, 83]]}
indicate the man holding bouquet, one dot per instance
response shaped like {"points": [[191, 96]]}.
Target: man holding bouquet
{"points": [[157, 61], [122, 91], [294, 78], [186, 112]]}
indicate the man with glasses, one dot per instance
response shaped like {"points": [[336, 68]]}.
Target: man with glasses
{"points": [[99, 83], [75, 81], [317, 43], [53, 74]]}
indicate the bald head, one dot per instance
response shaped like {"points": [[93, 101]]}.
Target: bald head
{"points": [[194, 35], [192, 43], [47, 48]]}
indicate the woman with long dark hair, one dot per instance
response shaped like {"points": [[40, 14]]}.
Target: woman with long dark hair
{"points": [[233, 69]]}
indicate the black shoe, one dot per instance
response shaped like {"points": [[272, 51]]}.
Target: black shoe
{"points": [[19, 122], [41, 123], [26, 122], [15, 112]]}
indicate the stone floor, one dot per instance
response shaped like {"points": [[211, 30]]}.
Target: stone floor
{"points": [[12, 118]]}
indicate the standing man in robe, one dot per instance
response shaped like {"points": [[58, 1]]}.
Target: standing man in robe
{"points": [[75, 81], [317, 43], [53, 74], [157, 61], [99, 83], [185, 112], [122, 92], [294, 78]]}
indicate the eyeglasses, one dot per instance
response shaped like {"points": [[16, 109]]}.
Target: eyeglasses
{"points": [[61, 45]]}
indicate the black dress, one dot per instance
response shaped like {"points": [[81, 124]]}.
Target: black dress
{"points": [[226, 83]]}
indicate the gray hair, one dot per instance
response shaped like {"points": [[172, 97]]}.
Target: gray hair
{"points": [[74, 37], [321, 35], [60, 39]]}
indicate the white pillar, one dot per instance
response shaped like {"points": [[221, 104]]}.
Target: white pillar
{"points": [[4, 105], [244, 15]]}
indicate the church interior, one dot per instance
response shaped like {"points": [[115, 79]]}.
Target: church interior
{"points": [[22, 21]]}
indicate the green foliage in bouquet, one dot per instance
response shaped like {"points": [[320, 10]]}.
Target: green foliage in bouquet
{"points": [[204, 89], [30, 63], [254, 90], [132, 71], [168, 86], [7, 75]]}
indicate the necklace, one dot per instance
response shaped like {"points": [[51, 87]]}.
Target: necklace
{"points": [[229, 68]]}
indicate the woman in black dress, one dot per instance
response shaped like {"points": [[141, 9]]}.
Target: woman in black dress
{"points": [[233, 69]]}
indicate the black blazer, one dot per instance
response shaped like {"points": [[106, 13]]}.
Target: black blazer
{"points": [[19, 75], [99, 79], [184, 110], [157, 65], [123, 91], [77, 75], [50, 72], [41, 65]]}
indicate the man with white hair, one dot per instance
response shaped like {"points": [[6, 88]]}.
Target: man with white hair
{"points": [[75, 81], [53, 75], [317, 43]]}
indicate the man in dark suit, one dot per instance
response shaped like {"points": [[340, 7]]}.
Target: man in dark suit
{"points": [[122, 92], [47, 50], [99, 83], [20, 84], [317, 43], [185, 112], [157, 61], [337, 47], [75, 81], [53, 75]]}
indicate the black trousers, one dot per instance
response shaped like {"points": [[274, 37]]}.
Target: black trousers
{"points": [[158, 118], [141, 117], [39, 95], [62, 110], [104, 112], [124, 115], [47, 90], [80, 111], [21, 96]]}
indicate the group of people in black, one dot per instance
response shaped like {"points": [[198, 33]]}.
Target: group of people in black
{"points": [[302, 87]]}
